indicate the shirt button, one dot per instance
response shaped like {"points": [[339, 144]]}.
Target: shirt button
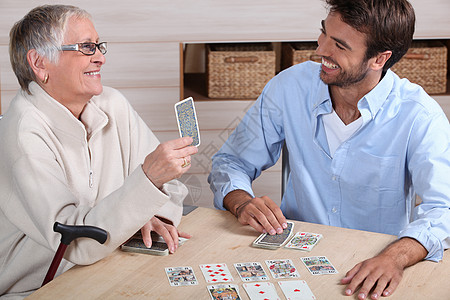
{"points": [[334, 210], [333, 177]]}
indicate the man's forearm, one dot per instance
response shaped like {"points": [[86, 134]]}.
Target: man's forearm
{"points": [[234, 200], [408, 251]]}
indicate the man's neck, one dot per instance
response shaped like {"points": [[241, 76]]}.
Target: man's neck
{"points": [[345, 99]]}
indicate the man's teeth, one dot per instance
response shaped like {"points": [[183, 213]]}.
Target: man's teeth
{"points": [[92, 73], [329, 65]]}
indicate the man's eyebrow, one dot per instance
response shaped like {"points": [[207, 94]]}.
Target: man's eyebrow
{"points": [[343, 43]]}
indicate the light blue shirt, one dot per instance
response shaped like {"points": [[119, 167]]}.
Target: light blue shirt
{"points": [[402, 148]]}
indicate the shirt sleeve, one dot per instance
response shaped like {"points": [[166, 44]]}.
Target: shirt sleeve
{"points": [[429, 166], [254, 146]]}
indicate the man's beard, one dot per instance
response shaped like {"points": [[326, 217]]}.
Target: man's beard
{"points": [[345, 79]]}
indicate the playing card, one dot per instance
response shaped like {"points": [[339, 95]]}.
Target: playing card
{"points": [[319, 265], [224, 292], [187, 120], [261, 290], [282, 268], [251, 271], [268, 241], [296, 290], [303, 241], [179, 276], [216, 273]]}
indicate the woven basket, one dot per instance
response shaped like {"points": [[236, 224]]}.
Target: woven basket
{"points": [[295, 53], [425, 64], [239, 71]]}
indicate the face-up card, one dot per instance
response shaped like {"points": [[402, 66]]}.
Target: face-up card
{"points": [[261, 290], [296, 290], [251, 271], [224, 292], [216, 273], [304, 241], [319, 265], [187, 120], [179, 276], [268, 241], [282, 268]]}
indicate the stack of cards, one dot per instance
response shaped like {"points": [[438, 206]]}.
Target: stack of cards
{"points": [[304, 241], [187, 120], [159, 246], [268, 241]]}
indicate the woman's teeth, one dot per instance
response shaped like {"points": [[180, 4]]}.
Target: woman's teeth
{"points": [[92, 73]]}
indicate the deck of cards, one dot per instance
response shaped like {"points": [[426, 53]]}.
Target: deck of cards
{"points": [[159, 246], [268, 241], [187, 120]]}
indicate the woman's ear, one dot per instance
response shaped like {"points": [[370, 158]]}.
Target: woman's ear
{"points": [[38, 64], [381, 59]]}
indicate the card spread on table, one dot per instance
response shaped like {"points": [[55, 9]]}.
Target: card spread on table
{"points": [[268, 241], [319, 265], [179, 276], [187, 120], [224, 292], [261, 290], [304, 241], [216, 273], [282, 268], [296, 290], [251, 271]]}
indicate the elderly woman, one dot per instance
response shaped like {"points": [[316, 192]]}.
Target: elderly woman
{"points": [[76, 152]]}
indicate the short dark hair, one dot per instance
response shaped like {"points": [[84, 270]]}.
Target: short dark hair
{"points": [[388, 24]]}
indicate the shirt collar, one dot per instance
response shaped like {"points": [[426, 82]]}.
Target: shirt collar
{"points": [[369, 105]]}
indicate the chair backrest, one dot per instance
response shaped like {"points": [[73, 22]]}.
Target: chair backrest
{"points": [[285, 169]]}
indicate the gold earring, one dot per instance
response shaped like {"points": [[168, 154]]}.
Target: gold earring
{"points": [[45, 79]]}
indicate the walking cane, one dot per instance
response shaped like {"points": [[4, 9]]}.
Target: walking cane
{"points": [[68, 234]]}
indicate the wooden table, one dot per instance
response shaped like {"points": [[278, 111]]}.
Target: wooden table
{"points": [[219, 238]]}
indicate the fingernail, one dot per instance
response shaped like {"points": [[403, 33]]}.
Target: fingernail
{"points": [[264, 231], [284, 225], [374, 296], [362, 296], [386, 293], [272, 232], [348, 292], [279, 230]]}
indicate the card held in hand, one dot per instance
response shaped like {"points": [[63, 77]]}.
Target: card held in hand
{"points": [[268, 241], [187, 120]]}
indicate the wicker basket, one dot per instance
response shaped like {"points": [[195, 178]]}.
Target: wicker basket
{"points": [[239, 71], [425, 64], [295, 53]]}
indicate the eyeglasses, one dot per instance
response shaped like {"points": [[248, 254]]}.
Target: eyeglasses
{"points": [[86, 48]]}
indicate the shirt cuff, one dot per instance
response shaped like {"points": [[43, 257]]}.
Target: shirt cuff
{"points": [[429, 241]]}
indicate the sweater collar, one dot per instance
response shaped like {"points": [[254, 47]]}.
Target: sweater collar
{"points": [[92, 119]]}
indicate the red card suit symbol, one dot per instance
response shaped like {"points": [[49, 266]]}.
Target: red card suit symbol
{"points": [[296, 290]]}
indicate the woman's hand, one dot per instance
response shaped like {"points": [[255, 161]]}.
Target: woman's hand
{"points": [[169, 161], [169, 233]]}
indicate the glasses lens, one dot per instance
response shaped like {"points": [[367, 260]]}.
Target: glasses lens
{"points": [[102, 47], [87, 48]]}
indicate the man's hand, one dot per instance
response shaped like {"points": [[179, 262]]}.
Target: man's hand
{"points": [[260, 213], [169, 161], [169, 233], [382, 273]]}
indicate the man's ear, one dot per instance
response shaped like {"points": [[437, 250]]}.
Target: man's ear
{"points": [[381, 59], [38, 64]]}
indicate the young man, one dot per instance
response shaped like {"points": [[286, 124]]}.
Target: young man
{"points": [[362, 143]]}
